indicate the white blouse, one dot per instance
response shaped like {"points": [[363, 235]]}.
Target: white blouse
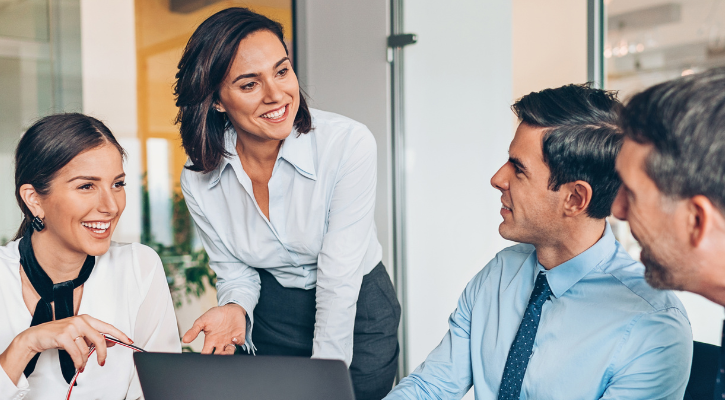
{"points": [[321, 231], [126, 289]]}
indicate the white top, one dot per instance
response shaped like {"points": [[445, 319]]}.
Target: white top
{"points": [[320, 233], [126, 289]]}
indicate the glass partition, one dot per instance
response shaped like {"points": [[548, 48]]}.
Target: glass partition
{"points": [[648, 42], [39, 74]]}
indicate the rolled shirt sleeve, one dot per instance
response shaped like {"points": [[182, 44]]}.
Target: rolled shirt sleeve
{"points": [[236, 282], [340, 265], [11, 391], [447, 371]]}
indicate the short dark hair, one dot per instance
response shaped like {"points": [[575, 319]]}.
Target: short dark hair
{"points": [[48, 146], [206, 61], [582, 138], [684, 120]]}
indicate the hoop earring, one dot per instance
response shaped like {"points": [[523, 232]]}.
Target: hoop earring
{"points": [[37, 224]]}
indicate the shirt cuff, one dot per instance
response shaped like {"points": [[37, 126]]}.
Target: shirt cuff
{"points": [[8, 390], [332, 350], [248, 306]]}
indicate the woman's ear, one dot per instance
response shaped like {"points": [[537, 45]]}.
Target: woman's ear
{"points": [[31, 198]]}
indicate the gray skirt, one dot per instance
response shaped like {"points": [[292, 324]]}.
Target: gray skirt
{"points": [[284, 324]]}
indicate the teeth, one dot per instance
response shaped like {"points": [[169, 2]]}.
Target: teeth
{"points": [[505, 208], [99, 227], [275, 114]]}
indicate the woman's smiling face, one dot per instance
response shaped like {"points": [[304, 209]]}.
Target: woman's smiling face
{"points": [[260, 95], [85, 201]]}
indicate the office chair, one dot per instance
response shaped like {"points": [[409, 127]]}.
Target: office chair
{"points": [[701, 385]]}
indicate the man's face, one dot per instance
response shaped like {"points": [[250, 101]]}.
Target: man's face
{"points": [[530, 210], [652, 218]]}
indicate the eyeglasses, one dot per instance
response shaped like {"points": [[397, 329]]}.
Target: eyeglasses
{"points": [[92, 349]]}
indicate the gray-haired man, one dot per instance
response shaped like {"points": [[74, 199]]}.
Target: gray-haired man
{"points": [[672, 165]]}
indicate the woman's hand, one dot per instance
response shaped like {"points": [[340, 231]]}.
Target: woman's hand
{"points": [[223, 327], [74, 335]]}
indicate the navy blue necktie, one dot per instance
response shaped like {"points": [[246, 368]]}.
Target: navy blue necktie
{"points": [[719, 386], [520, 352]]}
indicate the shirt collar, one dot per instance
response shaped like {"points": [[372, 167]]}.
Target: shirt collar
{"points": [[230, 146], [562, 277], [296, 149]]}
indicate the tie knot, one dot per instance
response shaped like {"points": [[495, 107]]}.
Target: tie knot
{"points": [[541, 291]]}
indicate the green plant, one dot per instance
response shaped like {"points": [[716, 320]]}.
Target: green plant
{"points": [[187, 269]]}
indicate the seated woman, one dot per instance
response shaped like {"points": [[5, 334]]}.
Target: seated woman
{"points": [[63, 283]]}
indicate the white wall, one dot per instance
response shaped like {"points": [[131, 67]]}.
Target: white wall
{"points": [[108, 54], [342, 64], [108, 43], [549, 44], [458, 127]]}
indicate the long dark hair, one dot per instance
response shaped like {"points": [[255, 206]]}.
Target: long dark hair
{"points": [[206, 61], [50, 144]]}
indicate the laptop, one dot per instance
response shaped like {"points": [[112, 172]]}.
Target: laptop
{"points": [[189, 376]]}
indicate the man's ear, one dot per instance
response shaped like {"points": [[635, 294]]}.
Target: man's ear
{"points": [[578, 197], [703, 218], [31, 198]]}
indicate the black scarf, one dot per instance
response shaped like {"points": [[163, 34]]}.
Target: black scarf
{"points": [[60, 293]]}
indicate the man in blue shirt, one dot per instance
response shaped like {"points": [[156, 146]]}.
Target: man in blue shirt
{"points": [[567, 313]]}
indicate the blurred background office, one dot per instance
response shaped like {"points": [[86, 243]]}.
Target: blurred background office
{"points": [[437, 102]]}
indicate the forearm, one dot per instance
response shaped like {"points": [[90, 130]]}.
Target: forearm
{"points": [[15, 358], [335, 316], [412, 387]]}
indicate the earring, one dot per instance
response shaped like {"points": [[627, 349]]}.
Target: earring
{"points": [[38, 224]]}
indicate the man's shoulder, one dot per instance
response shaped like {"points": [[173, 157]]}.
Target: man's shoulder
{"points": [[628, 274], [504, 265], [521, 248], [514, 255]]}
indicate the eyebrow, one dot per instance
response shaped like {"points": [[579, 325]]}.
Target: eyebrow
{"points": [[515, 161], [94, 178], [243, 76]]}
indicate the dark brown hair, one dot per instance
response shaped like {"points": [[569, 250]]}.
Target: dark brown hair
{"points": [[582, 138], [50, 144], [206, 61]]}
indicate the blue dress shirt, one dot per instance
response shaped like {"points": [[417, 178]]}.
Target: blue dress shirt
{"points": [[320, 232], [605, 333]]}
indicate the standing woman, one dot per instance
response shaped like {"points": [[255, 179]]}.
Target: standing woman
{"points": [[283, 198], [63, 282]]}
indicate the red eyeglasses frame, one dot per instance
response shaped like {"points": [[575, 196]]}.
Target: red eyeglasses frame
{"points": [[109, 338]]}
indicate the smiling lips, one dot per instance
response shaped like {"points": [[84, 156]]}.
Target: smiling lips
{"points": [[276, 114], [97, 227]]}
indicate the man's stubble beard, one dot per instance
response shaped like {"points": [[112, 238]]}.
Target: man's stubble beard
{"points": [[656, 273]]}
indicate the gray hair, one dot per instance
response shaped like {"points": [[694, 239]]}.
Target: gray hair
{"points": [[684, 120]]}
